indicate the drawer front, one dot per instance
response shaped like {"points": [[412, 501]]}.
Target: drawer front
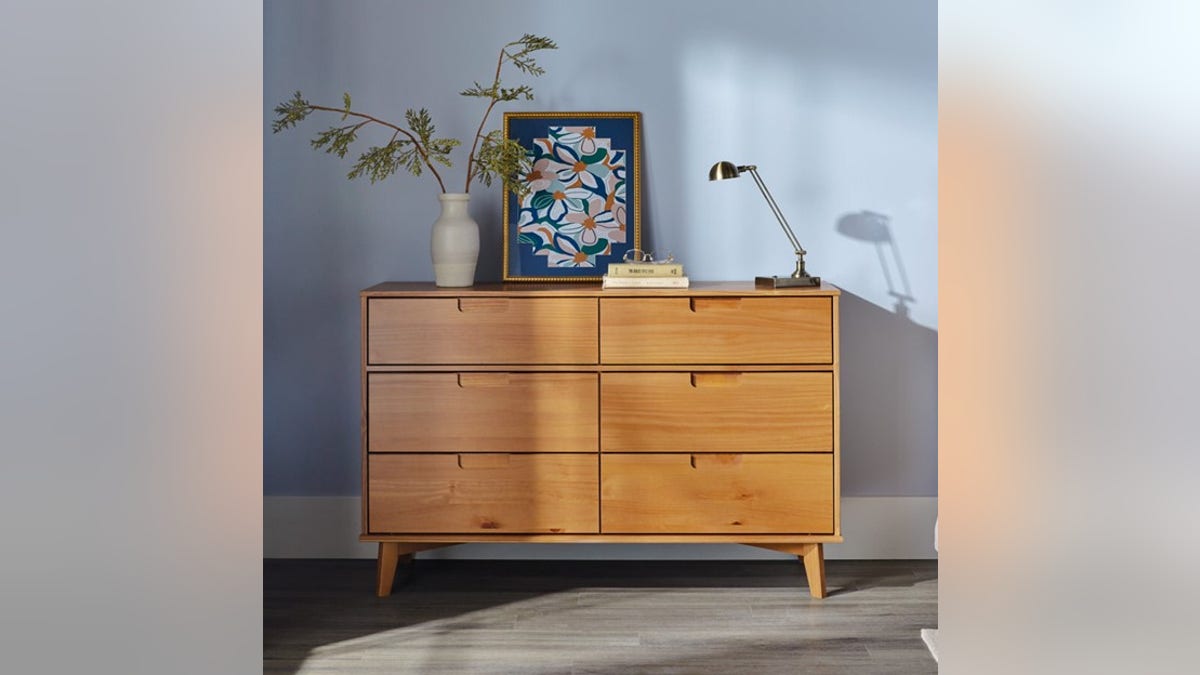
{"points": [[482, 412], [483, 494], [716, 412], [750, 330], [481, 330], [716, 494]]}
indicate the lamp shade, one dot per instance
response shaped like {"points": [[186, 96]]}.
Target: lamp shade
{"points": [[723, 170]]}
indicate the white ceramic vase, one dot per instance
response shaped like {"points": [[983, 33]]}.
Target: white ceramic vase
{"points": [[455, 242]]}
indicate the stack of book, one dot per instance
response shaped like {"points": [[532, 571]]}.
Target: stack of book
{"points": [[645, 275]]}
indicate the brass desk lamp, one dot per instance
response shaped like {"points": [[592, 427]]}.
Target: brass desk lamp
{"points": [[723, 170]]}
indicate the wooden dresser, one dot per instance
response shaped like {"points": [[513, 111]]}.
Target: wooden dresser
{"points": [[566, 413]]}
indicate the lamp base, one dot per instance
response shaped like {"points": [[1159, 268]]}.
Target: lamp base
{"points": [[786, 282]]}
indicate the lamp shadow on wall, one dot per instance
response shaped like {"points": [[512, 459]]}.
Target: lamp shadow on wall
{"points": [[875, 228], [888, 378]]}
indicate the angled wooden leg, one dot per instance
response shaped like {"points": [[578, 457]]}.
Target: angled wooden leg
{"points": [[385, 569], [392, 553], [813, 557], [814, 567]]}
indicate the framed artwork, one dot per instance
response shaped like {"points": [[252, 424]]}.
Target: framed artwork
{"points": [[583, 209]]}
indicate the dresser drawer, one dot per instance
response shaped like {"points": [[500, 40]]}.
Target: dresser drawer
{"points": [[482, 412], [485, 494], [716, 412], [716, 330], [481, 330], [716, 494]]}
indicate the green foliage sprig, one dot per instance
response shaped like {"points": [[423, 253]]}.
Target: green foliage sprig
{"points": [[415, 148]]}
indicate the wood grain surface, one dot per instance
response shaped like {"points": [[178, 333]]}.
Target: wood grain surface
{"points": [[724, 493], [716, 412], [482, 412], [468, 330], [535, 493], [426, 289], [725, 330]]}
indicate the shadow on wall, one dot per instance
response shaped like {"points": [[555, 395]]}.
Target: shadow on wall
{"points": [[491, 237], [875, 228], [888, 378]]}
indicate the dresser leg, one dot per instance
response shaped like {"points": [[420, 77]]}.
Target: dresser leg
{"points": [[813, 556], [391, 554], [385, 569]]}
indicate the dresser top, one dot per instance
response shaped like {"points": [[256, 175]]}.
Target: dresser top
{"points": [[587, 289]]}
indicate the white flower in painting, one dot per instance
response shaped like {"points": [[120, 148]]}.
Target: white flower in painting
{"points": [[567, 201], [593, 222], [541, 175], [583, 139], [568, 254]]}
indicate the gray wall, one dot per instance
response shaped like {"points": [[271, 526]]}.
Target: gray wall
{"points": [[836, 102]]}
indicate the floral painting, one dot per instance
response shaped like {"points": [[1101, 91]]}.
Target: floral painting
{"points": [[581, 210]]}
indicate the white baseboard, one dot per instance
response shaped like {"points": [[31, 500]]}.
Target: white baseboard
{"points": [[327, 527]]}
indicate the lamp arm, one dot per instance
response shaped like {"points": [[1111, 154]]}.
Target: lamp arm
{"points": [[753, 170]]}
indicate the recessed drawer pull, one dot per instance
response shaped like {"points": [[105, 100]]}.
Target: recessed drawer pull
{"points": [[701, 304], [483, 380], [495, 305], [488, 461], [716, 379], [719, 459]]}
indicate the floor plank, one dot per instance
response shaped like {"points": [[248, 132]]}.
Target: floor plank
{"points": [[598, 617]]}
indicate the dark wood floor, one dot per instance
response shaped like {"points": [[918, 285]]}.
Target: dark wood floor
{"points": [[321, 616]]}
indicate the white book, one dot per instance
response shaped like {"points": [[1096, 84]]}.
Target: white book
{"points": [[645, 270], [644, 282]]}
